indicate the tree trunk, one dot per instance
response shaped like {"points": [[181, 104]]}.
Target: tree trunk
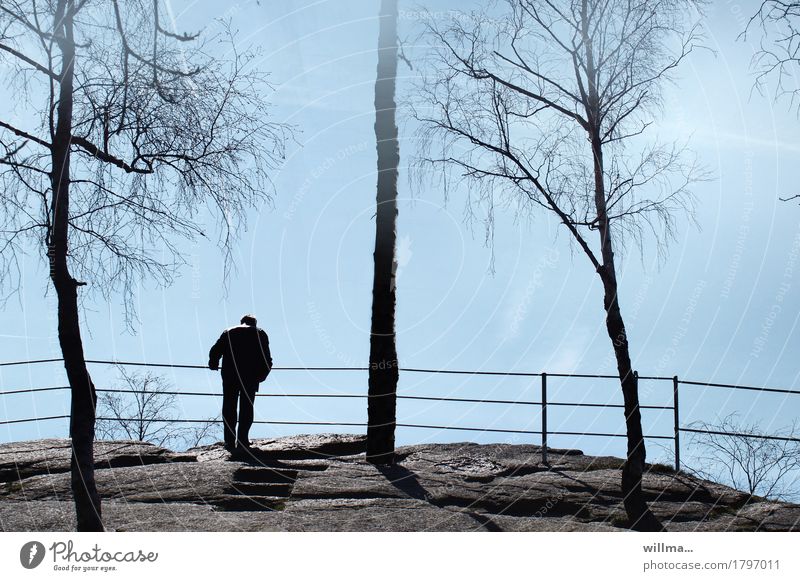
{"points": [[639, 515], [383, 366], [84, 398]]}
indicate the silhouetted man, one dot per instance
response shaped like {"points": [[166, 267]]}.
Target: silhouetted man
{"points": [[246, 362]]}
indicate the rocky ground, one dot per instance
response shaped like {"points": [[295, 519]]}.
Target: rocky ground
{"points": [[322, 483]]}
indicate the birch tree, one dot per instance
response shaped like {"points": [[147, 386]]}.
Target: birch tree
{"points": [[544, 105], [121, 136]]}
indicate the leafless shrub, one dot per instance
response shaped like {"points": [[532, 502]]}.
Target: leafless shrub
{"points": [[743, 456], [144, 407]]}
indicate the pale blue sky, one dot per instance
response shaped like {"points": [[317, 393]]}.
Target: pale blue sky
{"points": [[724, 307]]}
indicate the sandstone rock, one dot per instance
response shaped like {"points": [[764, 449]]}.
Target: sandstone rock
{"points": [[323, 483], [20, 460]]}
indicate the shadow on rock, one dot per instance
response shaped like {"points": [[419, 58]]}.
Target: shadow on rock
{"points": [[408, 482]]}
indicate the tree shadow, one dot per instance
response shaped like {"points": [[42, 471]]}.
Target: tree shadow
{"points": [[586, 487], [277, 459], [408, 482]]}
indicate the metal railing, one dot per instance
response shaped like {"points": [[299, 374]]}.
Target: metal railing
{"points": [[543, 404]]}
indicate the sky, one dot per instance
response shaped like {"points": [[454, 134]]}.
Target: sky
{"points": [[723, 307]]}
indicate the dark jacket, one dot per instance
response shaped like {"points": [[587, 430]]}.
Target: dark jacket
{"points": [[244, 350]]}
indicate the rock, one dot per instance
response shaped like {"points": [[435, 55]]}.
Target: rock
{"points": [[323, 483], [20, 460]]}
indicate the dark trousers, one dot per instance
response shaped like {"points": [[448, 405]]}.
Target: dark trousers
{"points": [[236, 394]]}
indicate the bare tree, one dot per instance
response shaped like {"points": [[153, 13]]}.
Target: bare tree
{"points": [[202, 433], [540, 108], [745, 457], [144, 407], [125, 135], [140, 408], [778, 57], [383, 365]]}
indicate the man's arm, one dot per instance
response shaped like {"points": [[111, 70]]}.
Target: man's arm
{"points": [[216, 352], [264, 340]]}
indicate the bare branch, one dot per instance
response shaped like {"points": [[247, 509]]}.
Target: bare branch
{"points": [[745, 457], [164, 125], [493, 90], [96, 152], [30, 61], [25, 135]]}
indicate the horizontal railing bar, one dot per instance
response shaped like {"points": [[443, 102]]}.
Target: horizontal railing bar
{"points": [[4, 422], [142, 364], [466, 429], [190, 366], [356, 395], [348, 395], [608, 405], [740, 435], [533, 403], [33, 362], [279, 422], [289, 423], [523, 431], [407, 369], [582, 375], [321, 368], [744, 387], [415, 370], [464, 372], [192, 393], [34, 389], [156, 421], [549, 433], [466, 400], [197, 393], [174, 365], [352, 424], [218, 421]]}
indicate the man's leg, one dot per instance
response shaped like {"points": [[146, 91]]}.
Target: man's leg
{"points": [[230, 391], [246, 401]]}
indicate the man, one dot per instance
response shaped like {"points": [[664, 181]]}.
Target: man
{"points": [[246, 362]]}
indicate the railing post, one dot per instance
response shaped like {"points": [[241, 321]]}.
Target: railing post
{"points": [[677, 424], [544, 418]]}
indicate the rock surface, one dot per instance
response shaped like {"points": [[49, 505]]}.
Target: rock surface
{"points": [[323, 483]]}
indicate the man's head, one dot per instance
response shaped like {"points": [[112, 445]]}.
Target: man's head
{"points": [[249, 320]]}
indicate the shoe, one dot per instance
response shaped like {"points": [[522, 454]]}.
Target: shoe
{"points": [[230, 448]]}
